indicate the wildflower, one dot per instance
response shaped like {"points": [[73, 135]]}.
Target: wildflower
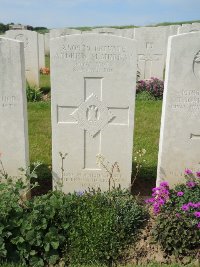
{"points": [[188, 171], [197, 214], [198, 174], [180, 194], [178, 215], [191, 184], [164, 184], [185, 207]]}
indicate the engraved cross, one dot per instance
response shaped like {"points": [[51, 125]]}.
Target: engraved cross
{"points": [[92, 116]]}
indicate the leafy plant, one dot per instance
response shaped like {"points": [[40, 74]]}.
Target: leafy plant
{"points": [[153, 86], [33, 93], [177, 226]]}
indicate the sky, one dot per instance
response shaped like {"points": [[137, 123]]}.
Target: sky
{"points": [[76, 13]]}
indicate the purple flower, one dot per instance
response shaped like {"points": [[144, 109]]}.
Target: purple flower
{"points": [[191, 184], [198, 174], [180, 194], [178, 215], [185, 207], [164, 184], [188, 171], [79, 193], [197, 214]]}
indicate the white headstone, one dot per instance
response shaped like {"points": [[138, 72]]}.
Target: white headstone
{"points": [[186, 28], [112, 31], [152, 45], [54, 33], [13, 109], [93, 80], [30, 39], [47, 43], [180, 132], [41, 51]]}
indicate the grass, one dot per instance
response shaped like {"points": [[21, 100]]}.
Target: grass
{"points": [[45, 79]]}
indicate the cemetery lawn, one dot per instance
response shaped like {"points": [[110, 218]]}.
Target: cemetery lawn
{"points": [[147, 128]]}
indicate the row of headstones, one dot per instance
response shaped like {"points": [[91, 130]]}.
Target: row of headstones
{"points": [[152, 44], [151, 49], [93, 81], [34, 51]]}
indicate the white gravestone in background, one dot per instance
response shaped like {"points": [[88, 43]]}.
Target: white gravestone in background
{"points": [[13, 109], [180, 132], [152, 45], [47, 43], [93, 80], [54, 33], [41, 51], [30, 39], [186, 28]]}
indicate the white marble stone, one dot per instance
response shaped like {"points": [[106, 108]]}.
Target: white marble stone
{"points": [[47, 43], [180, 133], [152, 45], [93, 80], [41, 51], [186, 28], [112, 31], [30, 39], [54, 33], [13, 108]]}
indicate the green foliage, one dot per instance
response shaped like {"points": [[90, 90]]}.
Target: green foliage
{"points": [[104, 224], [153, 86], [145, 96], [89, 227], [176, 227], [33, 93]]}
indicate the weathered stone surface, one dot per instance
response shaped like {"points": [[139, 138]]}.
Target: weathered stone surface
{"points": [[186, 28], [93, 91], [13, 109], [112, 31], [30, 39], [180, 133], [54, 33], [152, 45], [41, 51]]}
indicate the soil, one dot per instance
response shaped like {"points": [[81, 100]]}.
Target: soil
{"points": [[145, 251]]}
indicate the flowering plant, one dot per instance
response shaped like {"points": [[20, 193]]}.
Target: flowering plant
{"points": [[154, 86], [178, 214]]}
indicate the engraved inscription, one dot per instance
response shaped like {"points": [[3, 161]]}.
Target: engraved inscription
{"points": [[8, 101], [97, 58], [196, 65], [92, 179], [188, 100]]}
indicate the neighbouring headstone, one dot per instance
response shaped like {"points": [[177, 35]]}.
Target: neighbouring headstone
{"points": [[47, 43], [41, 51], [93, 80], [54, 33], [180, 132], [186, 28], [13, 109], [112, 31], [152, 46], [30, 39]]}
